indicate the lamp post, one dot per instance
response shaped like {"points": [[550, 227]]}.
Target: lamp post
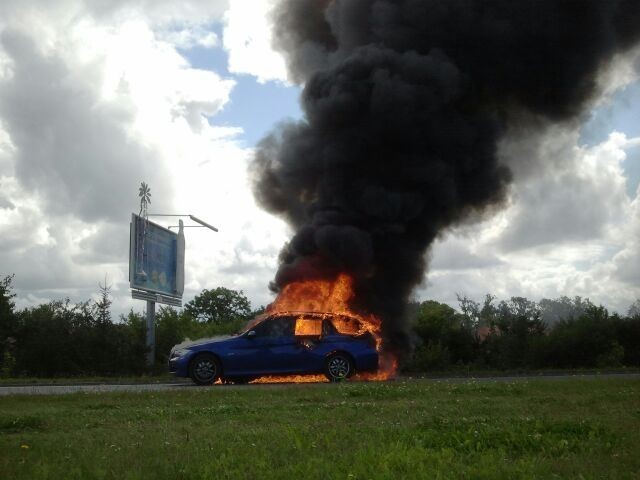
{"points": [[202, 223]]}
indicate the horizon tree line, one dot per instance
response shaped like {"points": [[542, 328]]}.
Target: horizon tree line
{"points": [[61, 338]]}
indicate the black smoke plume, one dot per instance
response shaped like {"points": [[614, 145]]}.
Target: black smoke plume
{"points": [[405, 102]]}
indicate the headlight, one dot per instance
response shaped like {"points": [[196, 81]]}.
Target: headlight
{"points": [[179, 353]]}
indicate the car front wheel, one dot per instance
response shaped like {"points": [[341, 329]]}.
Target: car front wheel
{"points": [[338, 366], [204, 369]]}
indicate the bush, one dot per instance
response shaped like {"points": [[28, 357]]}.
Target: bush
{"points": [[511, 335], [433, 356], [441, 329], [613, 358], [63, 339]]}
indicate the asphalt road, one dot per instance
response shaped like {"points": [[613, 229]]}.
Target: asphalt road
{"points": [[107, 387]]}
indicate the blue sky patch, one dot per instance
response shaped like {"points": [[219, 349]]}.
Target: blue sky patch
{"points": [[622, 114], [256, 107]]}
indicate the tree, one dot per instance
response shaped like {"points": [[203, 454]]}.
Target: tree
{"points": [[220, 305], [171, 329], [7, 317], [7, 326], [470, 310], [102, 307], [6, 298], [588, 341], [433, 320], [520, 316], [563, 308], [446, 336], [634, 309], [53, 339], [488, 312]]}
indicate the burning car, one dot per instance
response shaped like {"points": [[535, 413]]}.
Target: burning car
{"points": [[291, 343]]}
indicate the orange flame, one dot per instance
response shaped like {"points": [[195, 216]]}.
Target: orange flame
{"points": [[306, 327], [333, 297]]}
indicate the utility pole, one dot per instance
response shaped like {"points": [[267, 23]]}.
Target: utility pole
{"points": [[151, 333]]}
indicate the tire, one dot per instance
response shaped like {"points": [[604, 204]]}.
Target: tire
{"points": [[338, 367], [204, 369]]}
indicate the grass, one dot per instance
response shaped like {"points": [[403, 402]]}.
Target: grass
{"points": [[575, 428], [165, 377]]}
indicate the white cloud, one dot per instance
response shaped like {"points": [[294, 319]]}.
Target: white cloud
{"points": [[626, 263], [187, 38], [571, 230], [159, 14], [7, 150], [92, 101], [243, 254], [556, 205], [247, 38]]}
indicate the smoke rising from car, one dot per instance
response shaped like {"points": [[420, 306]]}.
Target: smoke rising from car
{"points": [[404, 105]]}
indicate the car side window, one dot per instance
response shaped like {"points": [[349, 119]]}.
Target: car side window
{"points": [[308, 327], [282, 327], [276, 327], [261, 328]]}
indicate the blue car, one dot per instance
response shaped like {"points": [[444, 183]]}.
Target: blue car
{"points": [[281, 344]]}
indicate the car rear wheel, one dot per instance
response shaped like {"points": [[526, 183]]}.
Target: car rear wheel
{"points": [[338, 366], [204, 369]]}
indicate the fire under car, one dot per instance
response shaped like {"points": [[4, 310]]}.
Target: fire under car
{"points": [[281, 344]]}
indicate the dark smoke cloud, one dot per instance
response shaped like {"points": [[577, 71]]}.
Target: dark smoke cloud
{"points": [[405, 102]]}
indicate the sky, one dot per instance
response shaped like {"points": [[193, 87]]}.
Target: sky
{"points": [[96, 97]]}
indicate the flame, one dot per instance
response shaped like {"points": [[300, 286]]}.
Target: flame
{"points": [[291, 379], [330, 297], [307, 327]]}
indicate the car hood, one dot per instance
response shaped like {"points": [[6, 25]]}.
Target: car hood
{"points": [[201, 341]]}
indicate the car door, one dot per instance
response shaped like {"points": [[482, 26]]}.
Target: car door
{"points": [[308, 354], [280, 346], [267, 350], [244, 355]]}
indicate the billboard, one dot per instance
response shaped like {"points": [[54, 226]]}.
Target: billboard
{"points": [[156, 258]]}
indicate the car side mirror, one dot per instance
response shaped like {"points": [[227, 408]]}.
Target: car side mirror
{"points": [[251, 333]]}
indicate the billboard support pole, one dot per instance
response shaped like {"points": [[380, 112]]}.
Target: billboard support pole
{"points": [[156, 264], [151, 333]]}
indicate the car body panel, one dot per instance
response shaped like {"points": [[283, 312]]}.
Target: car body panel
{"points": [[279, 353]]}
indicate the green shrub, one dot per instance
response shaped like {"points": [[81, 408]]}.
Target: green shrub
{"points": [[613, 358], [433, 356]]}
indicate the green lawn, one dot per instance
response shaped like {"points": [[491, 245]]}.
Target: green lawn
{"points": [[578, 428]]}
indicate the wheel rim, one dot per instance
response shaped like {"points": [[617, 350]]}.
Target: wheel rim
{"points": [[205, 370], [339, 367]]}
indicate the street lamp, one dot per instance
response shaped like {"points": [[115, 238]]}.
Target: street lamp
{"points": [[202, 223]]}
